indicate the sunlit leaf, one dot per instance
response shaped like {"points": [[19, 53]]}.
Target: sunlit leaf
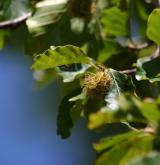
{"points": [[58, 56], [153, 28]]}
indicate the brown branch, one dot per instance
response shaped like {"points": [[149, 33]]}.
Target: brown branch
{"points": [[15, 22]]}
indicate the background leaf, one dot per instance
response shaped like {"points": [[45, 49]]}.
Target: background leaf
{"points": [[13, 9], [110, 48], [108, 142], [112, 24], [153, 28], [127, 111], [150, 110], [152, 158], [148, 68], [135, 145], [46, 13]]}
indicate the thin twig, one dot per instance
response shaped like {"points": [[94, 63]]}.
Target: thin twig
{"points": [[155, 55], [128, 71]]}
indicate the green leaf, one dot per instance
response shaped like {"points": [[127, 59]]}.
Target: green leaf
{"points": [[46, 13], [140, 110], [129, 109], [152, 158], [147, 51], [76, 111], [153, 28], [106, 143], [13, 9], [64, 120], [97, 120], [68, 114], [58, 56], [148, 68], [3, 35], [110, 48], [122, 148], [150, 110], [70, 75], [112, 24], [141, 147], [120, 83], [113, 157]]}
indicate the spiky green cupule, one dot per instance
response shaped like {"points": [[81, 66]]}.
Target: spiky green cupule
{"points": [[97, 84]]}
